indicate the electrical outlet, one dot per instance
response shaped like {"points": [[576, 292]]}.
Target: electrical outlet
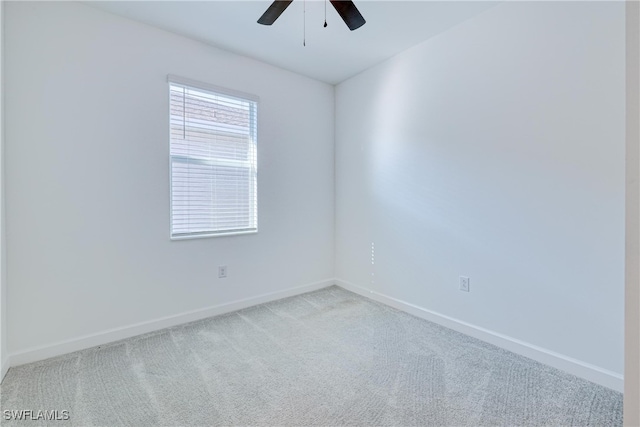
{"points": [[464, 284], [222, 272]]}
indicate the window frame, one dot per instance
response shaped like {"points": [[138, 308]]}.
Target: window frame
{"points": [[182, 81]]}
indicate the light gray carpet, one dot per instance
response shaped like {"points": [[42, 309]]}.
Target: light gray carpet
{"points": [[324, 358]]}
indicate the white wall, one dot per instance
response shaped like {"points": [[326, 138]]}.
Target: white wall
{"points": [[495, 151], [632, 263], [87, 177], [4, 355]]}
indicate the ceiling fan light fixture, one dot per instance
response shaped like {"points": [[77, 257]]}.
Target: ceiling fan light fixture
{"points": [[345, 8]]}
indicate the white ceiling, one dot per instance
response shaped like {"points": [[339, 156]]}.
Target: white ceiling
{"points": [[332, 54]]}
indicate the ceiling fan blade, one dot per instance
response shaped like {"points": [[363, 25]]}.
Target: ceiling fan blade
{"points": [[274, 11], [349, 13]]}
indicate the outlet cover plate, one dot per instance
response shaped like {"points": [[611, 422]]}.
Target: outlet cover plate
{"points": [[222, 272], [464, 284]]}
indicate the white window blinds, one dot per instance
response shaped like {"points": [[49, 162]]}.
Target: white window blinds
{"points": [[213, 162]]}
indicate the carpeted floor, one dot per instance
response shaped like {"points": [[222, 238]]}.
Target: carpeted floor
{"points": [[324, 358]]}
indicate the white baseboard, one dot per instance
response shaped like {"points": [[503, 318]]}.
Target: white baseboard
{"points": [[4, 368], [570, 365], [573, 366], [52, 350]]}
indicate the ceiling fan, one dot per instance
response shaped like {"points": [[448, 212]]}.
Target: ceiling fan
{"points": [[346, 9]]}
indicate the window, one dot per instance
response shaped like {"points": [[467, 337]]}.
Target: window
{"points": [[213, 160]]}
